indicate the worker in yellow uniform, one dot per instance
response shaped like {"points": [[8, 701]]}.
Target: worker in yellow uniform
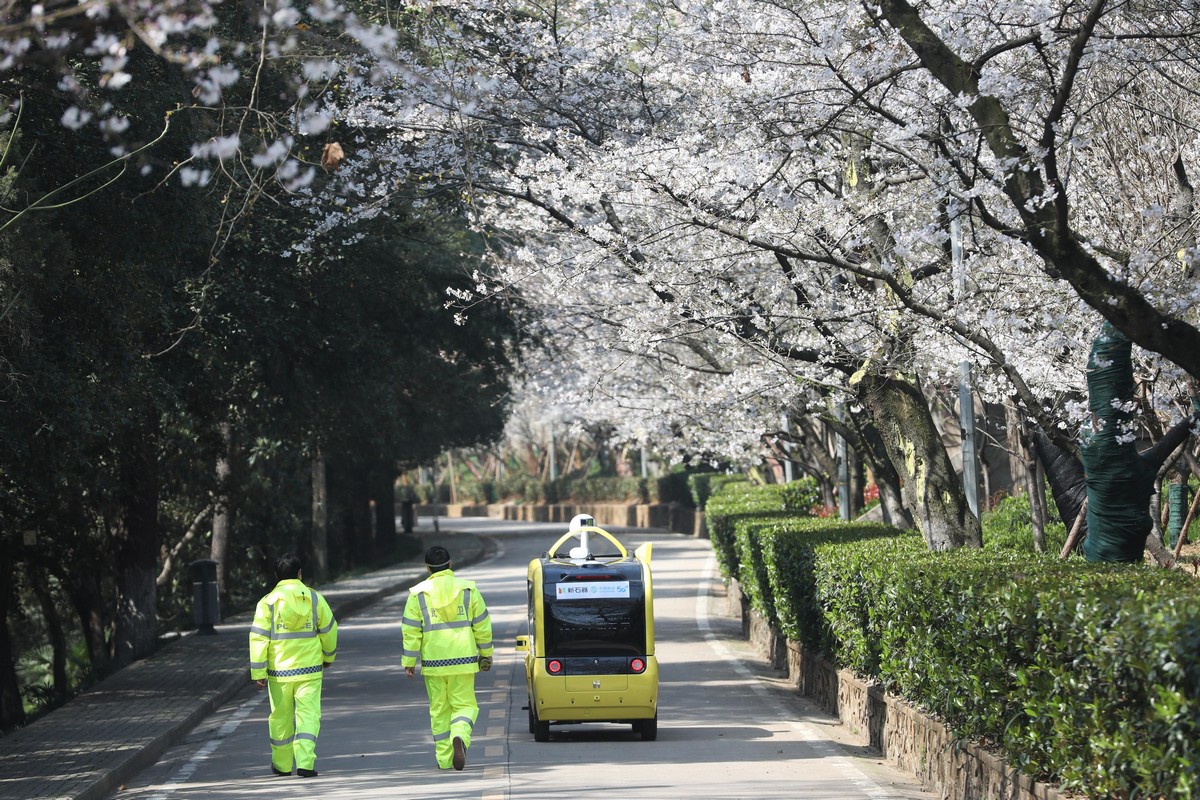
{"points": [[446, 625], [293, 640]]}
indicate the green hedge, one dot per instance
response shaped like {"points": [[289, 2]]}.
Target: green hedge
{"points": [[1086, 674], [1008, 526], [726, 507], [704, 485]]}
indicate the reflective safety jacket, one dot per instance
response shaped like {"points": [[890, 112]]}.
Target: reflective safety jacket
{"points": [[446, 625], [293, 635]]}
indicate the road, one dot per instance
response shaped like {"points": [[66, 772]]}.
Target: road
{"points": [[728, 725]]}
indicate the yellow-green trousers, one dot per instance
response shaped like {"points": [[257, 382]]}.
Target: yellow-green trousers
{"points": [[294, 723], [452, 712]]}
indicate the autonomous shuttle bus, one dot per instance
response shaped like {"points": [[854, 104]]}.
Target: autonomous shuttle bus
{"points": [[589, 653]]}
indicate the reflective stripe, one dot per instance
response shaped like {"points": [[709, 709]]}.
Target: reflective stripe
{"points": [[260, 631], [411, 653], [329, 653], [306, 736], [467, 720], [449, 662], [484, 645], [438, 737], [296, 635], [442, 626], [424, 610], [291, 673], [258, 665], [412, 623], [480, 618], [282, 742], [314, 604], [327, 628]]}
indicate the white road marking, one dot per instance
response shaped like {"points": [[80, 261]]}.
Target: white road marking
{"points": [[187, 770], [826, 749]]}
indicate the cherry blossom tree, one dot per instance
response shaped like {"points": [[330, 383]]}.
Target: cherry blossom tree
{"points": [[752, 201]]}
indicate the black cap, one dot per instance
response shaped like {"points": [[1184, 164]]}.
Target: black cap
{"points": [[437, 557]]}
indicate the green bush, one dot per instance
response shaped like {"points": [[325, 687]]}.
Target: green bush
{"points": [[726, 507], [802, 495], [1008, 526], [703, 485], [476, 492], [525, 488], [1082, 673], [602, 490]]}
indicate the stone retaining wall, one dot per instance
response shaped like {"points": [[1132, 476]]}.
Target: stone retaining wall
{"points": [[669, 516], [911, 740]]}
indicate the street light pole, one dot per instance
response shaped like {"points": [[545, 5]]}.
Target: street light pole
{"points": [[966, 399]]}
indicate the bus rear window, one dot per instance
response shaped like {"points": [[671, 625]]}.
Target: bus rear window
{"points": [[596, 627]]}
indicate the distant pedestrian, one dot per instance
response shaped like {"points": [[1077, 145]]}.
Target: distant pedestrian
{"points": [[446, 625], [293, 640]]}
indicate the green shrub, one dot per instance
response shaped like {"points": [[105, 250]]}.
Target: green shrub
{"points": [[802, 495], [726, 507], [1082, 673], [1008, 526], [602, 490], [703, 485], [524, 488]]}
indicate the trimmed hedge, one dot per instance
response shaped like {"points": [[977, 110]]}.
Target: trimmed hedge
{"points": [[726, 507], [704, 485], [1008, 527], [1082, 673]]}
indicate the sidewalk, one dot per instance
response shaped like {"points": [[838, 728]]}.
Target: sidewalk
{"points": [[97, 741]]}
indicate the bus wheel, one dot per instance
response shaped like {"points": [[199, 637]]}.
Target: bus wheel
{"points": [[649, 729], [539, 729]]}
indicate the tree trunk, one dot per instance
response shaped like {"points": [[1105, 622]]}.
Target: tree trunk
{"points": [[137, 541], [384, 495], [932, 489], [812, 452], [222, 522], [54, 631], [1037, 503], [319, 561], [12, 711], [1023, 461], [89, 609], [887, 480]]}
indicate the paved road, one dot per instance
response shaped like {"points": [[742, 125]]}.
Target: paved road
{"points": [[728, 728]]}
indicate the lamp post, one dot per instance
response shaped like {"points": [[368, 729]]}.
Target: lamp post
{"points": [[966, 400]]}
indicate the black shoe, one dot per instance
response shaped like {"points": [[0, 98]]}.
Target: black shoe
{"points": [[306, 773], [460, 754], [278, 771]]}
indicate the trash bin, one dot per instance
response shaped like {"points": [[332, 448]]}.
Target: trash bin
{"points": [[206, 608], [408, 516]]}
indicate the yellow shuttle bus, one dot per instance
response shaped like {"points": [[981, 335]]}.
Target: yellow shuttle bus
{"points": [[589, 653]]}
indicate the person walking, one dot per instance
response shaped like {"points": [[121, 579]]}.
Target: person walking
{"points": [[293, 640], [446, 625]]}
